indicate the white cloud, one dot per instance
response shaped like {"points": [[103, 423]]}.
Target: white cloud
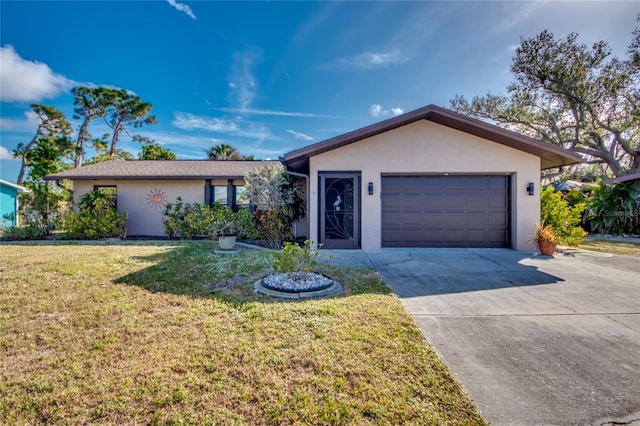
{"points": [[302, 136], [182, 8], [28, 81], [242, 82], [28, 124], [256, 111], [377, 111], [370, 60], [186, 121], [5, 154]]}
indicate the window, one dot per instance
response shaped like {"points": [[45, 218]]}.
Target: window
{"points": [[219, 194], [232, 194], [242, 199]]}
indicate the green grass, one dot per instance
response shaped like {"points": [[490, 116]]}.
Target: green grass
{"points": [[627, 246], [170, 334]]}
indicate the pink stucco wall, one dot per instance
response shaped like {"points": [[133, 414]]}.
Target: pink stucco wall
{"points": [[135, 198]]}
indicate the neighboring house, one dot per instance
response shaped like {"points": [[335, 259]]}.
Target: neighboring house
{"points": [[143, 187], [9, 206], [427, 178]]}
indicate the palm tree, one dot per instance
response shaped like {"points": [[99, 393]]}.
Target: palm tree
{"points": [[223, 151]]}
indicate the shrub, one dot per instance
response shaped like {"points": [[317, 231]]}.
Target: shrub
{"points": [[294, 258], [614, 208], [273, 226], [565, 220], [29, 231], [186, 220], [97, 217], [278, 200]]}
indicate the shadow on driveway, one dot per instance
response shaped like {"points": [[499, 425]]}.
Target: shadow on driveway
{"points": [[427, 272]]}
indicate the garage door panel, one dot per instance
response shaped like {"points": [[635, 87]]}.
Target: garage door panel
{"points": [[445, 211]]}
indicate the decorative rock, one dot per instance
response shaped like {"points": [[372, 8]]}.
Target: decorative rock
{"points": [[294, 282], [333, 288]]}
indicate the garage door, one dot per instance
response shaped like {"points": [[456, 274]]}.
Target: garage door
{"points": [[445, 211]]}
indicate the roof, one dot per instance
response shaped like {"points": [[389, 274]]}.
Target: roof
{"points": [[159, 169], [626, 178], [13, 185], [552, 156]]}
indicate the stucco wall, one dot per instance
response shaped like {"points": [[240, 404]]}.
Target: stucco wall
{"points": [[134, 198], [429, 148], [8, 205]]}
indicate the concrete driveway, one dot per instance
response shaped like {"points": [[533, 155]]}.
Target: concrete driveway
{"points": [[534, 340]]}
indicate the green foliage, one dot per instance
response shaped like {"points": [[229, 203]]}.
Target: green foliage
{"points": [[614, 208], [571, 95], [273, 226], [565, 220], [97, 217], [155, 152], [294, 258], [278, 199], [33, 230], [223, 151], [195, 220]]}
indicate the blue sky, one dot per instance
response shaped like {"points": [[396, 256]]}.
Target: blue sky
{"points": [[270, 77]]}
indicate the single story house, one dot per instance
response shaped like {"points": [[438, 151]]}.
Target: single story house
{"points": [[427, 178], [9, 204], [144, 187]]}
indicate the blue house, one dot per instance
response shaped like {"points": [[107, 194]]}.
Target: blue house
{"points": [[9, 203]]}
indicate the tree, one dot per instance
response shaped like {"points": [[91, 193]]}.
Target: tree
{"points": [[91, 103], [126, 109], [155, 152], [52, 124], [572, 96], [278, 201], [46, 156], [101, 147], [223, 151]]}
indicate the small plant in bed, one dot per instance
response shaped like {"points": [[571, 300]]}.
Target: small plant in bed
{"points": [[294, 270]]}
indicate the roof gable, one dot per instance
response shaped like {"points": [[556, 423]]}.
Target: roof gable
{"points": [[551, 156], [159, 169]]}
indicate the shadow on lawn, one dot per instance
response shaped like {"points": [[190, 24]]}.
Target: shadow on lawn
{"points": [[193, 269]]}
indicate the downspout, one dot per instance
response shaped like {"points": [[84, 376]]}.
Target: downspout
{"points": [[306, 195]]}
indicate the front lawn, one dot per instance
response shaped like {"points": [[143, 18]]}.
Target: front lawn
{"points": [[170, 334], [613, 245]]}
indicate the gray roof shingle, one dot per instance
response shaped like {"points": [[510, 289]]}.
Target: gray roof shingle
{"points": [[159, 169]]}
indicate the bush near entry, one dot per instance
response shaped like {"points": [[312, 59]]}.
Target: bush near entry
{"points": [[565, 220]]}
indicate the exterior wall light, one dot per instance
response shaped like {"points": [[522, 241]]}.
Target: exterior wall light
{"points": [[530, 188], [370, 188]]}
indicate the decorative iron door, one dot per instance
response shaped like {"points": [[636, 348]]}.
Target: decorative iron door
{"points": [[340, 210]]}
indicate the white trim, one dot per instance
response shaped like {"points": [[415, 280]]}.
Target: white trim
{"points": [[13, 185]]}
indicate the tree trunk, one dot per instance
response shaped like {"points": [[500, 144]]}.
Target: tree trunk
{"points": [[114, 140], [81, 139], [23, 166]]}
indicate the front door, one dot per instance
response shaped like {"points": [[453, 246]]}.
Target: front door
{"points": [[340, 210]]}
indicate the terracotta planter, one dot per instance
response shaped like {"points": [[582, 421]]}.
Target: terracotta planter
{"points": [[227, 242], [547, 248]]}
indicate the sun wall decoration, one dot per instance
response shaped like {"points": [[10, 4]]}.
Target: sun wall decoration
{"points": [[156, 198]]}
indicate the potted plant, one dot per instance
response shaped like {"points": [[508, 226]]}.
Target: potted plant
{"points": [[225, 228], [227, 234], [546, 239]]}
